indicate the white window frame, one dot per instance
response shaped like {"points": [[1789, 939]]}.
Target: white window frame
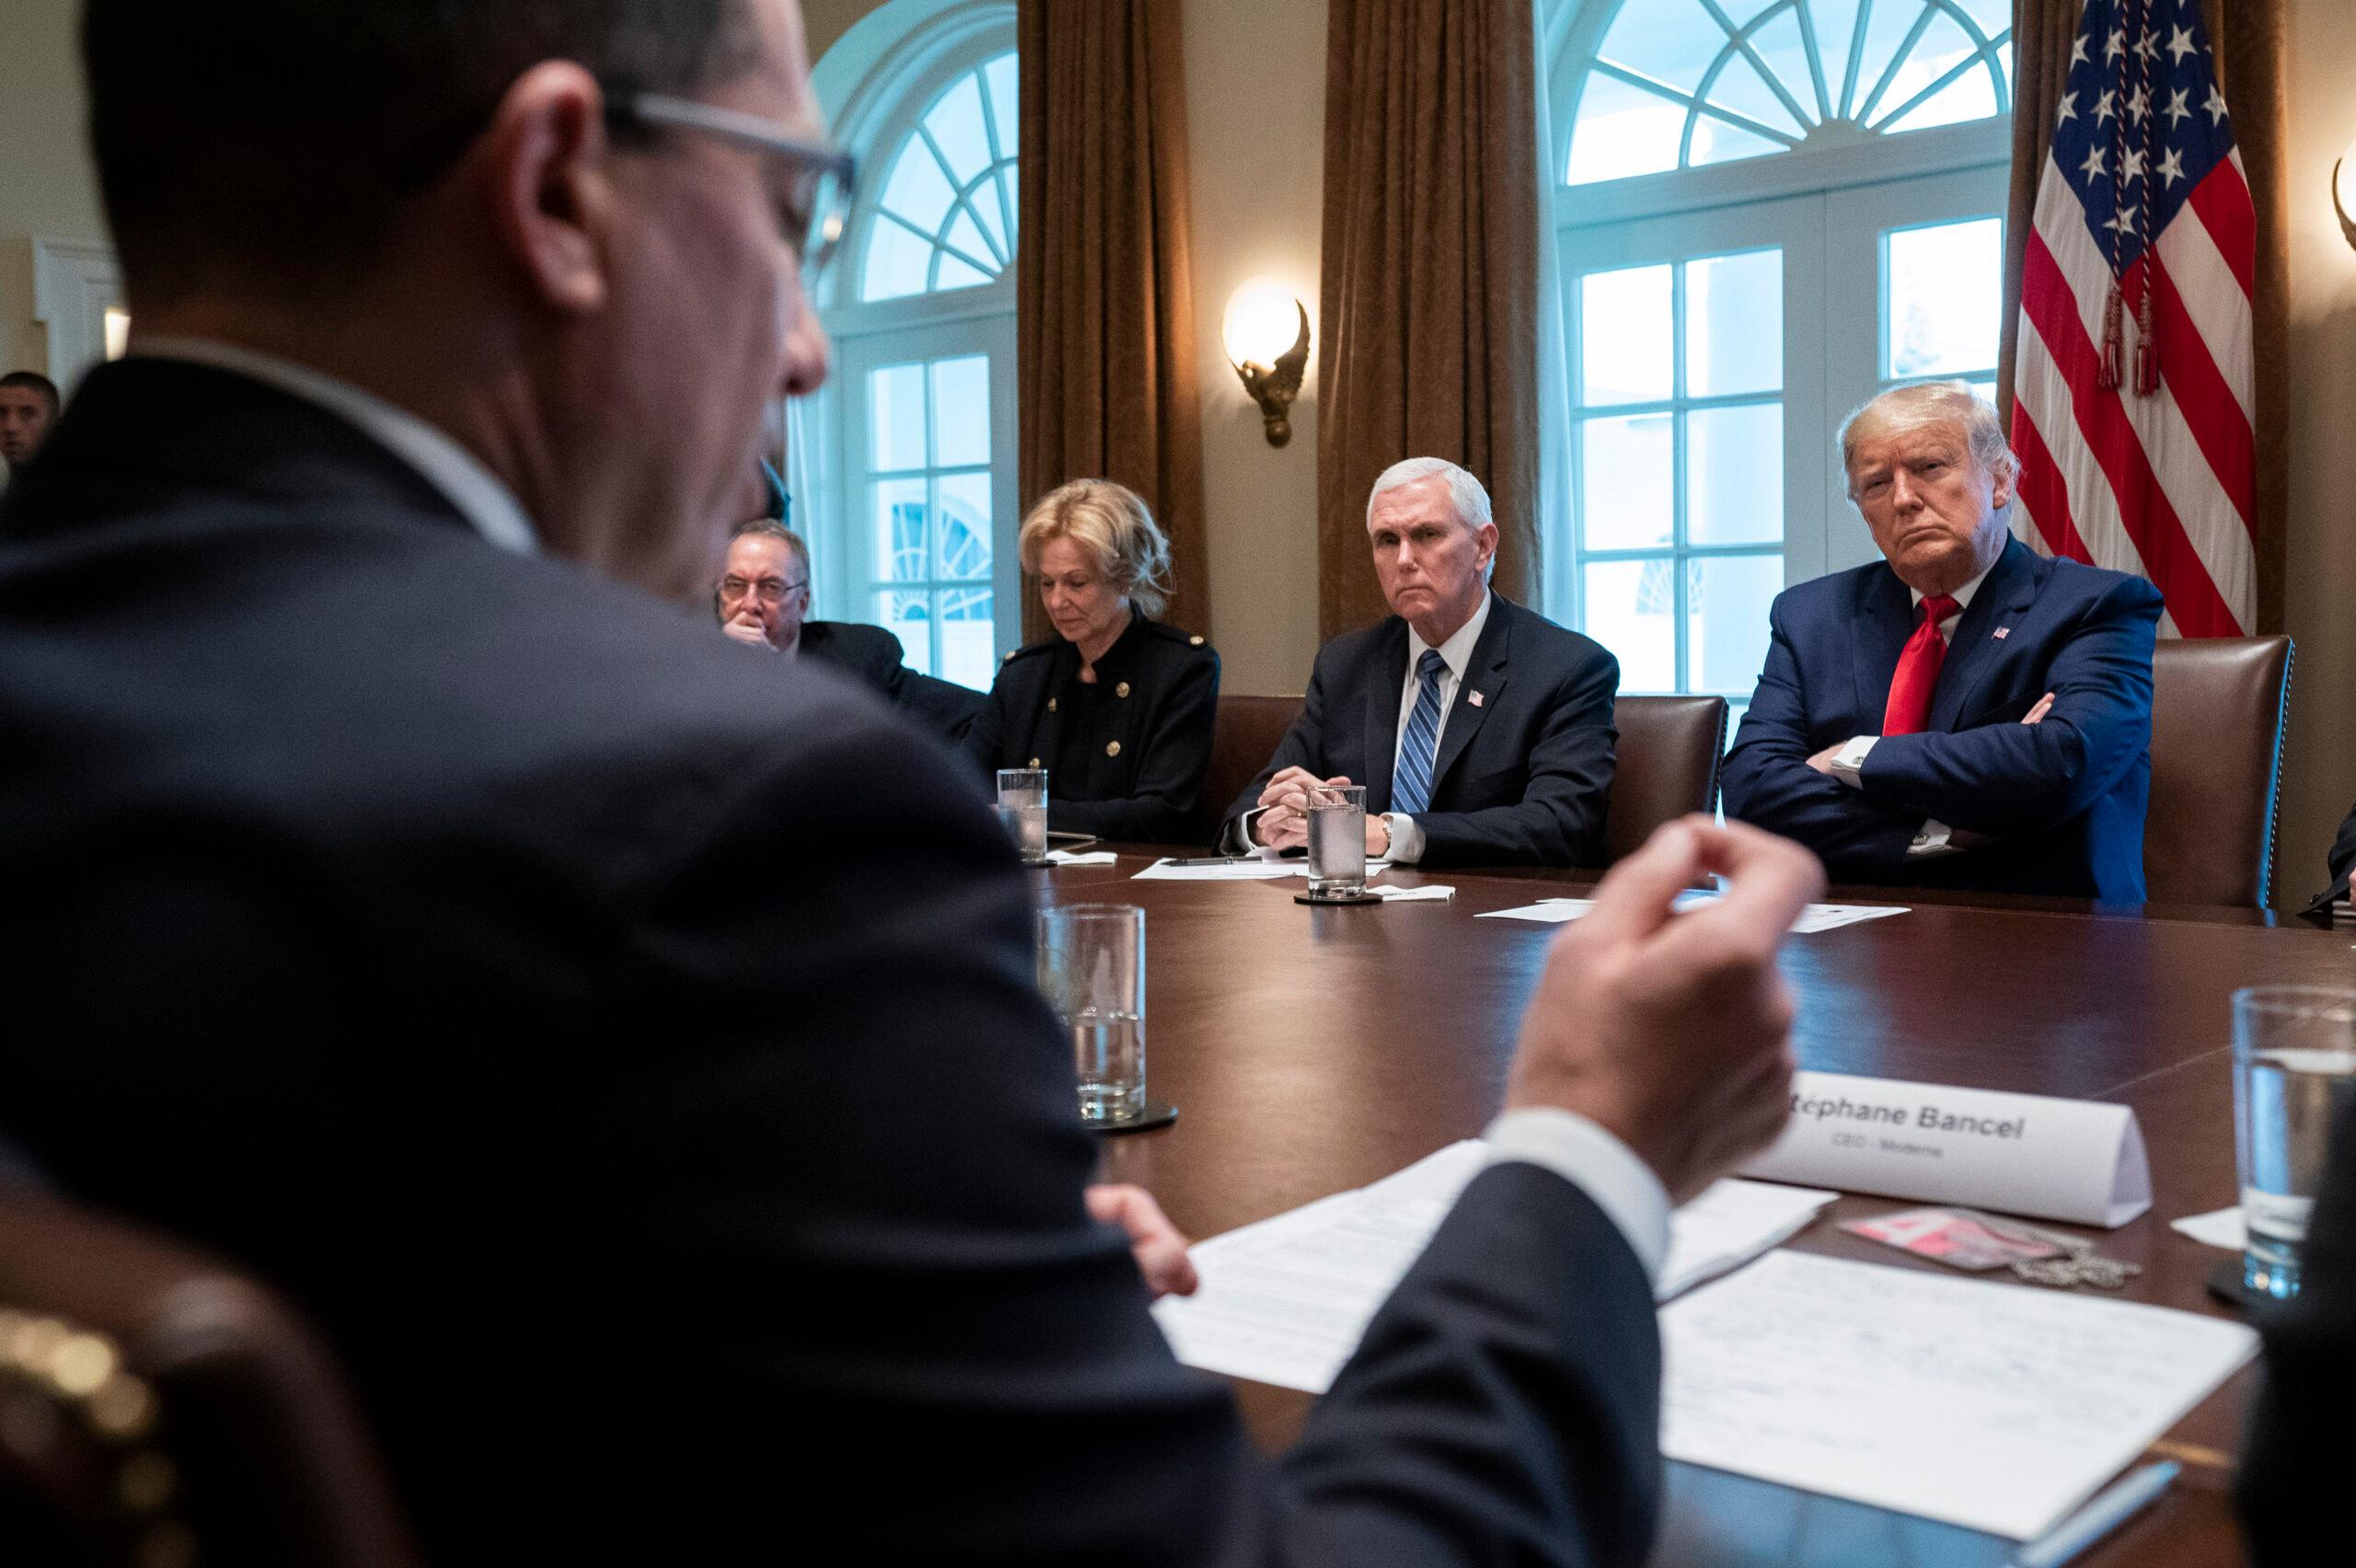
{"points": [[833, 506]]}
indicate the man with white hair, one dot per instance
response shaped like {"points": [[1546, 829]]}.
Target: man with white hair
{"points": [[1482, 731], [1965, 712]]}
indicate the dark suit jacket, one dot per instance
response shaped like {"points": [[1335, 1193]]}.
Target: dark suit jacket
{"points": [[2295, 1472], [1157, 696], [637, 1072], [872, 655], [2063, 798], [1523, 772], [2340, 862]]}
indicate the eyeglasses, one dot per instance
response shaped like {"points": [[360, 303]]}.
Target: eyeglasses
{"points": [[816, 209], [770, 589]]}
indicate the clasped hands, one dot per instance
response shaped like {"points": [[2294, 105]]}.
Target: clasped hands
{"points": [[1283, 822], [1822, 761]]}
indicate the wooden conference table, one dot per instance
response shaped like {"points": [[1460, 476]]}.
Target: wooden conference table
{"points": [[1312, 1050]]}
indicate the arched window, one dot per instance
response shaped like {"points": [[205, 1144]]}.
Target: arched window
{"points": [[910, 451], [1770, 210]]}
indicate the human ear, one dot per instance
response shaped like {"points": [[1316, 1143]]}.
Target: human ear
{"points": [[553, 202]]}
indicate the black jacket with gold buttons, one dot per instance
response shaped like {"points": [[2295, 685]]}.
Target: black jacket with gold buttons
{"points": [[1126, 753]]}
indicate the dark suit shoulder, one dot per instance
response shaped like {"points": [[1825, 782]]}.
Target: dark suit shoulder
{"points": [[1193, 642], [2096, 582], [1032, 650]]}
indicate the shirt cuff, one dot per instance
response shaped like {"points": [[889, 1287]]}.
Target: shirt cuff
{"points": [[1935, 837], [1849, 762], [1598, 1164], [1406, 839], [1239, 833]]}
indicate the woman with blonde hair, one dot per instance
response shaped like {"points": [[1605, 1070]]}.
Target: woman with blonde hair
{"points": [[1117, 707]]}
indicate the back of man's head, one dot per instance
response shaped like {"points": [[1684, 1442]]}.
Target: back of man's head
{"points": [[272, 145]]}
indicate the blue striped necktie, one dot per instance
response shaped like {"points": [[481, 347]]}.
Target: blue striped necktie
{"points": [[1411, 791]]}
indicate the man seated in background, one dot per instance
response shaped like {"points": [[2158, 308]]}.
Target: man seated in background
{"points": [[633, 1062], [1964, 712], [762, 597], [1482, 731], [28, 404]]}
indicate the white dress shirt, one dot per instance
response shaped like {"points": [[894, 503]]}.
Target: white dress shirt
{"points": [[1934, 837], [1456, 654], [449, 468]]}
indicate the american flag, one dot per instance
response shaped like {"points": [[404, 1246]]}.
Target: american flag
{"points": [[2132, 388]]}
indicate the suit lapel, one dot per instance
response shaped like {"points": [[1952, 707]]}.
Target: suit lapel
{"points": [[2010, 588], [1382, 698], [1885, 619], [1485, 676]]}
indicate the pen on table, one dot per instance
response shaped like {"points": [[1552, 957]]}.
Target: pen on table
{"points": [[2110, 1508], [1209, 860]]}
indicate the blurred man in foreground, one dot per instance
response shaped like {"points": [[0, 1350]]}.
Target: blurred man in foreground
{"points": [[632, 1061]]}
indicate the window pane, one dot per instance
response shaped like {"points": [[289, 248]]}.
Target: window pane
{"points": [[896, 418], [1622, 131], [1670, 41], [918, 191], [1886, 26], [994, 218], [1779, 44], [1627, 493], [968, 650], [1734, 324], [896, 262], [1734, 474], [965, 237], [1740, 89], [956, 124], [1835, 22], [901, 537], [903, 612], [1941, 286], [1002, 78], [1972, 96], [1726, 620], [960, 409], [1716, 142], [964, 531], [1632, 611], [955, 275], [1625, 335], [1942, 47]]}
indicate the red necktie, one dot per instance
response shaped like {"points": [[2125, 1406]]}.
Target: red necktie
{"points": [[1918, 672]]}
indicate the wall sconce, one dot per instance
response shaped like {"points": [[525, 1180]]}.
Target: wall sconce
{"points": [[2343, 191], [118, 328], [1262, 317]]}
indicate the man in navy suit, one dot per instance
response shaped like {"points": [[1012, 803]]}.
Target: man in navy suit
{"points": [[633, 1062], [1966, 713], [1482, 731]]}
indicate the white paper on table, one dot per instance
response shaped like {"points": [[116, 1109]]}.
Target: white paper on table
{"points": [[2218, 1228], [1997, 1407], [1261, 862], [1413, 894], [1286, 1300], [1081, 857], [1813, 918]]}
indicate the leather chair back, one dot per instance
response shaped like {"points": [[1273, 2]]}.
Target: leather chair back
{"points": [[1243, 737], [1667, 766], [2218, 706], [157, 1408]]}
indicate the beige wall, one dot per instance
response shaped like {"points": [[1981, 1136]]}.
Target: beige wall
{"points": [[46, 187], [1255, 129], [1256, 186], [2320, 768]]}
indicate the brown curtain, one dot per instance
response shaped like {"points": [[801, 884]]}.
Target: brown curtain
{"points": [[2247, 36], [1430, 295], [1104, 297]]}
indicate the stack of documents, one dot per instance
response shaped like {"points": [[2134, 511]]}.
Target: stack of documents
{"points": [[1813, 918], [1285, 1301]]}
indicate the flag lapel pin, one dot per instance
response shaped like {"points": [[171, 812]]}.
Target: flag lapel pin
{"points": [[2003, 633], [1473, 698]]}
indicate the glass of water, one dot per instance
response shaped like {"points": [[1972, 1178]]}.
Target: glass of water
{"points": [[1022, 807], [1336, 840], [2295, 1068], [1091, 970]]}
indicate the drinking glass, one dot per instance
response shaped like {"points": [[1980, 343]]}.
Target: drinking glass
{"points": [[1022, 807], [1336, 840], [2295, 1068], [1091, 970]]}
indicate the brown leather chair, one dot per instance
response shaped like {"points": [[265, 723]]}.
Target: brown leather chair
{"points": [[1667, 765], [2218, 706], [1243, 738], [156, 1409]]}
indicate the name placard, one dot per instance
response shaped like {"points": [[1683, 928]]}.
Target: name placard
{"points": [[2027, 1154]]}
